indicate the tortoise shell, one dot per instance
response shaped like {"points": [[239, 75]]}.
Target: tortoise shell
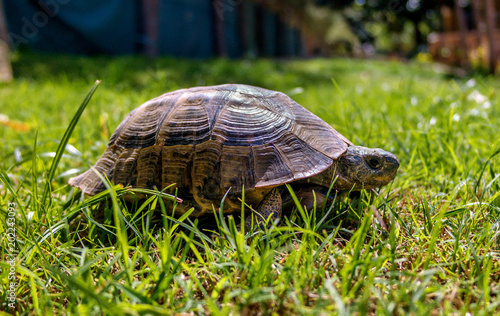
{"points": [[208, 140]]}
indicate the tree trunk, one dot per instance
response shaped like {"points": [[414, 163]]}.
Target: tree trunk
{"points": [[5, 67], [477, 11], [462, 31], [491, 30]]}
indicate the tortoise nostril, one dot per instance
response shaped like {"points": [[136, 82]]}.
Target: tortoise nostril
{"points": [[374, 163]]}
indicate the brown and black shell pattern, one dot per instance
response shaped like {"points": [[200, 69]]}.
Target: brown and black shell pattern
{"points": [[209, 139]]}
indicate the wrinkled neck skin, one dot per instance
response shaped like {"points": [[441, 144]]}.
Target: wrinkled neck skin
{"points": [[357, 169]]}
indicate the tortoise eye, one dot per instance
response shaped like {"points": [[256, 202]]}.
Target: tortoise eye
{"points": [[374, 163]]}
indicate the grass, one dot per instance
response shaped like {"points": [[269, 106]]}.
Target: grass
{"points": [[440, 254]]}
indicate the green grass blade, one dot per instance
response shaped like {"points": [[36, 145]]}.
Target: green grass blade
{"points": [[64, 141]]}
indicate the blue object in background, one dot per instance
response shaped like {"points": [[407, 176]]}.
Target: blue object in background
{"points": [[73, 26], [186, 28]]}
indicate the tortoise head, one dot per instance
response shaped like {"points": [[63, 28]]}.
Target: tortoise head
{"points": [[361, 167]]}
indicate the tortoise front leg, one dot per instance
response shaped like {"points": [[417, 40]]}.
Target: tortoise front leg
{"points": [[268, 210]]}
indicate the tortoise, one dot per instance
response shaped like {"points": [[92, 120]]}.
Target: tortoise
{"points": [[233, 137]]}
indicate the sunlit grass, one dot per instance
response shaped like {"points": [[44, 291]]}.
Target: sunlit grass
{"points": [[439, 253]]}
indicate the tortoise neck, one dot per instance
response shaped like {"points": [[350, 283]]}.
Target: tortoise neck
{"points": [[325, 178]]}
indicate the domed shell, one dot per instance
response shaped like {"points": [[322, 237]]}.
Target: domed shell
{"points": [[207, 139]]}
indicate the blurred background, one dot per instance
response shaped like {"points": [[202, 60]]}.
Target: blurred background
{"points": [[459, 33]]}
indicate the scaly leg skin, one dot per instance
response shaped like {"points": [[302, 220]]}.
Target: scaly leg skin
{"points": [[268, 210]]}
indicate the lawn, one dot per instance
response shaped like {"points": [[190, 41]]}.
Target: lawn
{"points": [[439, 254]]}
